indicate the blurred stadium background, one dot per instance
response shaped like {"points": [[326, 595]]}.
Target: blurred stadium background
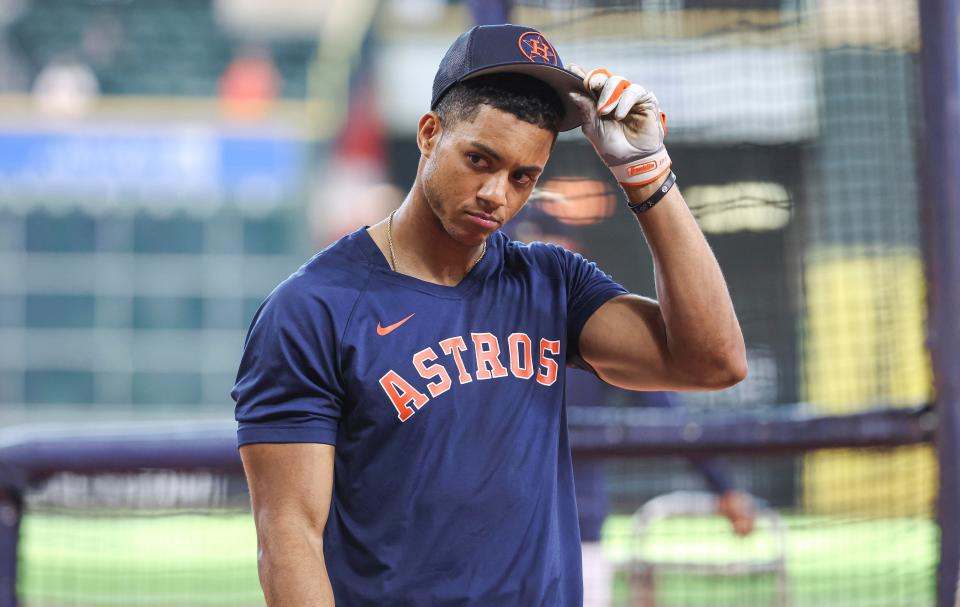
{"points": [[164, 164]]}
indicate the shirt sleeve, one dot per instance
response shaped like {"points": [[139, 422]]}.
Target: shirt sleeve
{"points": [[588, 288], [714, 472], [288, 387]]}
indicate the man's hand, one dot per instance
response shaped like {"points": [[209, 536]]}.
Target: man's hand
{"points": [[688, 339], [624, 123], [737, 507]]}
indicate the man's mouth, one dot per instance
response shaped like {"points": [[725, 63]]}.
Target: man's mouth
{"points": [[485, 218]]}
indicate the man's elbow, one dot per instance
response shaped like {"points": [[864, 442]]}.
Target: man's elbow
{"points": [[281, 536], [724, 372], [736, 371]]}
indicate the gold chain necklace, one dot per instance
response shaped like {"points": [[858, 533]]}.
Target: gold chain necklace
{"points": [[393, 258]]}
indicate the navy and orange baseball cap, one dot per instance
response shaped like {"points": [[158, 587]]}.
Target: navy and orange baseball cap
{"points": [[512, 49]]}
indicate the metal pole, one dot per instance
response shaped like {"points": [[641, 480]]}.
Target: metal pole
{"points": [[11, 511], [940, 210]]}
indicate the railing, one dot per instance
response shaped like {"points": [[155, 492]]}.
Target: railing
{"points": [[31, 454]]}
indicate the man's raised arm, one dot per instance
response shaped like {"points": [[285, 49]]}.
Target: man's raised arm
{"points": [[690, 338], [291, 486]]}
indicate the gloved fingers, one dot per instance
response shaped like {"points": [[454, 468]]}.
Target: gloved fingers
{"points": [[595, 81], [645, 111], [630, 97], [578, 71], [611, 93], [641, 100]]}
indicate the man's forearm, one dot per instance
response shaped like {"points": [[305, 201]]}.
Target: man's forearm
{"points": [[292, 569], [714, 472], [703, 335]]}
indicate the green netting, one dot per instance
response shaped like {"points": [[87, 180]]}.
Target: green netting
{"points": [[793, 127], [158, 538]]}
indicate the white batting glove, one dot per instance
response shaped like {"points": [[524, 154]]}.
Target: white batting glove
{"points": [[624, 123]]}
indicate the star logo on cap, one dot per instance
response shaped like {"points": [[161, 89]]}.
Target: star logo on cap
{"points": [[536, 48]]}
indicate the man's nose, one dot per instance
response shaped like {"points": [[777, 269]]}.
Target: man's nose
{"points": [[494, 190]]}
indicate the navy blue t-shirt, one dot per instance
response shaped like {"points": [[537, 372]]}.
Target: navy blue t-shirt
{"points": [[452, 477]]}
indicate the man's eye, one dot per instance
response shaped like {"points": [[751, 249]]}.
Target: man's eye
{"points": [[522, 178], [476, 160]]}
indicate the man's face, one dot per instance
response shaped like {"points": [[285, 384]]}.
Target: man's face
{"points": [[478, 174]]}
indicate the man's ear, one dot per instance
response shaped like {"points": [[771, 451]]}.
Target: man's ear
{"points": [[428, 133]]}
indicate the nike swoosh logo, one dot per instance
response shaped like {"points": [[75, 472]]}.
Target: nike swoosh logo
{"points": [[381, 331]]}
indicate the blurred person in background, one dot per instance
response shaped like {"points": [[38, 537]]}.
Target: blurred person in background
{"points": [[14, 75], [250, 84], [585, 389], [14, 71], [353, 188], [399, 399], [104, 39], [66, 87]]}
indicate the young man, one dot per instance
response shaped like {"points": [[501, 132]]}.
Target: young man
{"points": [[400, 397]]}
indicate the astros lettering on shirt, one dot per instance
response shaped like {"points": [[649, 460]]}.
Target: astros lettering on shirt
{"points": [[452, 478]]}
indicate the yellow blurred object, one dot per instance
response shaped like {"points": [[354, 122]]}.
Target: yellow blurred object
{"points": [[864, 342]]}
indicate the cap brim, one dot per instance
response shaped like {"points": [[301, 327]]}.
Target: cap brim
{"points": [[559, 79]]}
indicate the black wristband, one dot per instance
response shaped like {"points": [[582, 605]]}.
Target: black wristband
{"points": [[647, 204]]}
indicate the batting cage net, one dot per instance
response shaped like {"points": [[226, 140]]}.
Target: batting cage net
{"points": [[116, 527], [793, 128], [160, 537]]}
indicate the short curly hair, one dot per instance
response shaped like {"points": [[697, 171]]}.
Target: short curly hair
{"points": [[527, 98]]}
